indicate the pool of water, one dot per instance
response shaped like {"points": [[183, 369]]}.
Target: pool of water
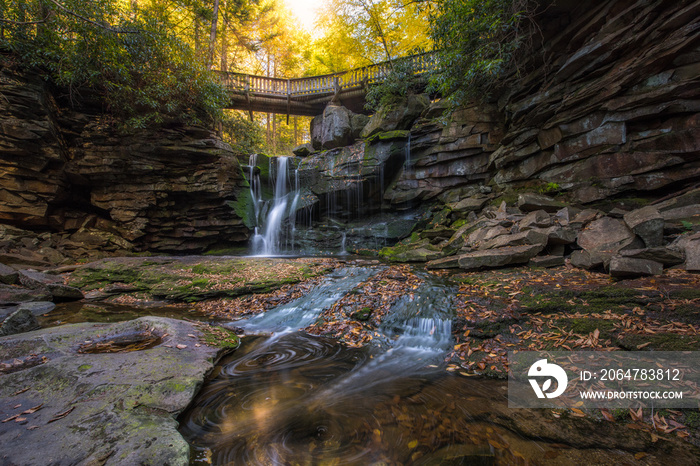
{"points": [[301, 400]]}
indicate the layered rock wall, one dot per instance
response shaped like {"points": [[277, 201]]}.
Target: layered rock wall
{"points": [[67, 172], [612, 106]]}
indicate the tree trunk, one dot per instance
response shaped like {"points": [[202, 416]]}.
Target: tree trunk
{"points": [[224, 42], [212, 35]]}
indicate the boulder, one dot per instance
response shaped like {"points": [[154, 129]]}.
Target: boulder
{"points": [[12, 294], [606, 236], [397, 116], [648, 224], [61, 292], [20, 321], [8, 275], [303, 150], [627, 267], [535, 219], [666, 255], [316, 129], [528, 202], [546, 261], [450, 262], [38, 307], [584, 217], [501, 257], [358, 122], [119, 408], [558, 235], [692, 256], [530, 237], [470, 204], [336, 128], [566, 215], [586, 260]]}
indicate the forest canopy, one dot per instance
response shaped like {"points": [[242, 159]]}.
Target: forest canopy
{"points": [[149, 61]]}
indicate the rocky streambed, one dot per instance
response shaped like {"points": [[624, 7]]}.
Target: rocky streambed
{"points": [[110, 393]]}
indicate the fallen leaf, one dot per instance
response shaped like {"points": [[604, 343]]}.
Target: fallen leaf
{"points": [[10, 418], [60, 416], [33, 410], [181, 346], [640, 455]]}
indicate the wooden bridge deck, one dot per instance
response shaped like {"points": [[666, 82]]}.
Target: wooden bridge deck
{"points": [[309, 96]]}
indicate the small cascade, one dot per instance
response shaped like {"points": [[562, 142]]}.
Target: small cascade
{"points": [[268, 237], [303, 311], [407, 163], [343, 250]]}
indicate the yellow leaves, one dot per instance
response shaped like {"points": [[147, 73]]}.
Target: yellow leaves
{"points": [[412, 444]]}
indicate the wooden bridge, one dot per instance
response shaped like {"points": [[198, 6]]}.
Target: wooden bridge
{"points": [[309, 96]]}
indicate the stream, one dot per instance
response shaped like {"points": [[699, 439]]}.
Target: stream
{"points": [[286, 397]]}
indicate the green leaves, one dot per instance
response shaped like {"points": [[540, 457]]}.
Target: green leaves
{"points": [[477, 42], [148, 75]]}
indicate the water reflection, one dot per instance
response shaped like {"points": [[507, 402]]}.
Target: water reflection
{"points": [[298, 399]]}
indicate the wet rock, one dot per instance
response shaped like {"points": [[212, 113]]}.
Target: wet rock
{"points": [[500, 257], [12, 294], [666, 255], [62, 292], [123, 404], [627, 267], [38, 307], [648, 224], [528, 202], [8, 275], [546, 261], [20, 321]]}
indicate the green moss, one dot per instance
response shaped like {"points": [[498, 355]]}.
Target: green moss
{"points": [[219, 337], [243, 206], [660, 342], [688, 293], [692, 418], [84, 367], [388, 136], [616, 299], [362, 315]]}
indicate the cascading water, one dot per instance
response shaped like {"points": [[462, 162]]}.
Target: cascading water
{"points": [[282, 206]]}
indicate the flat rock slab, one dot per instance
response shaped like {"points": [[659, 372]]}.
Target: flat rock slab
{"points": [[67, 407]]}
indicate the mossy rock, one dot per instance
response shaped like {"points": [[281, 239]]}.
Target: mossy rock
{"points": [[659, 342]]}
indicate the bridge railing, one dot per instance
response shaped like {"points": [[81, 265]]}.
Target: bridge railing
{"points": [[325, 84]]}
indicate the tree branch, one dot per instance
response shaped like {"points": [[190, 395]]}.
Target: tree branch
{"points": [[87, 20]]}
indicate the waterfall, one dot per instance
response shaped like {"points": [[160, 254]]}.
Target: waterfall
{"points": [[270, 240], [407, 163]]}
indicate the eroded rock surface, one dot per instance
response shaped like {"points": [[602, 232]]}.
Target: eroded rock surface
{"points": [[66, 406]]}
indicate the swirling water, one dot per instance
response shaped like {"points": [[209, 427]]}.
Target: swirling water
{"points": [[297, 399]]}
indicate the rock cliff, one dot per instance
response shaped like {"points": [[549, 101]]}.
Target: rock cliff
{"points": [[70, 173], [611, 106]]}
